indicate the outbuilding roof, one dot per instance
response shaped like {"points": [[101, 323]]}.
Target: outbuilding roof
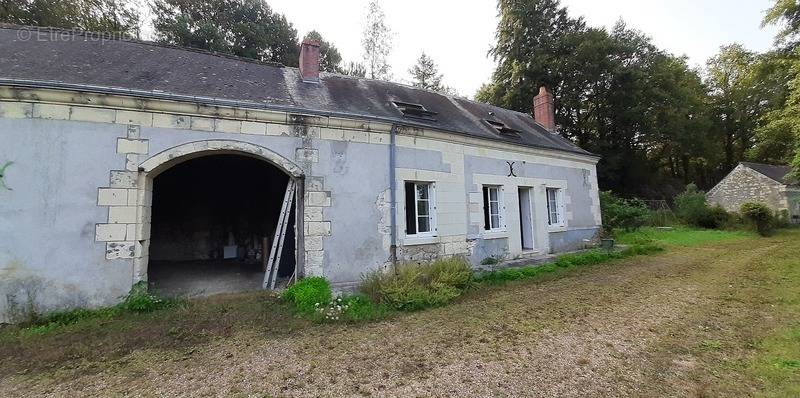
{"points": [[776, 172], [29, 56]]}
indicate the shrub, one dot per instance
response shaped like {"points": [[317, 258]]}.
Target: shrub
{"points": [[760, 216], [416, 286], [308, 294], [691, 208], [618, 213]]}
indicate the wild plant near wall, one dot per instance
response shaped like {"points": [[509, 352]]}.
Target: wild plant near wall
{"points": [[415, 286]]}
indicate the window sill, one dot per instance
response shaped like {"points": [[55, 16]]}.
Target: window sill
{"points": [[420, 240], [557, 228], [494, 234]]}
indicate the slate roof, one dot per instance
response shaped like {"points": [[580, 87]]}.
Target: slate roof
{"points": [[31, 56], [775, 172]]}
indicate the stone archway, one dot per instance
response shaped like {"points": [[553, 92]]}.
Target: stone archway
{"points": [[149, 169]]}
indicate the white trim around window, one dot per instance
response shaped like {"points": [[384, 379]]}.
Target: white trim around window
{"points": [[555, 207], [420, 209], [494, 219]]}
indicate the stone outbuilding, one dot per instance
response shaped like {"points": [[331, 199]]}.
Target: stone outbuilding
{"points": [[757, 182], [199, 173]]}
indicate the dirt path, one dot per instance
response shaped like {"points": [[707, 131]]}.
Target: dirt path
{"points": [[675, 324]]}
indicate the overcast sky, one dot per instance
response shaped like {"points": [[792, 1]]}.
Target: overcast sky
{"points": [[458, 33]]}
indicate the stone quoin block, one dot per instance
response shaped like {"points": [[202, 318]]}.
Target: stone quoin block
{"points": [[112, 197], [228, 126], [133, 117], [171, 121], [202, 123], [124, 250], [122, 214], [96, 115], [313, 243], [331, 134], [16, 110], [123, 179], [318, 228], [109, 232], [48, 111], [125, 145], [132, 162], [313, 213], [322, 199], [315, 184], [254, 128]]}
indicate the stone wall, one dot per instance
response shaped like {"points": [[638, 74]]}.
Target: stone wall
{"points": [[746, 185]]}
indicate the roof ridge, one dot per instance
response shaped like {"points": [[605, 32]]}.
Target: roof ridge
{"points": [[123, 37]]}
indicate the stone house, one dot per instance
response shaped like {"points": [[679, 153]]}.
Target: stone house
{"points": [[200, 173], [757, 182]]}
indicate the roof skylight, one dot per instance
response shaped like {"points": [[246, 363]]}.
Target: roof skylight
{"points": [[503, 129], [414, 110]]}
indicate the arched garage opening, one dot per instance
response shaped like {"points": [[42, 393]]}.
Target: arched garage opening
{"points": [[216, 220]]}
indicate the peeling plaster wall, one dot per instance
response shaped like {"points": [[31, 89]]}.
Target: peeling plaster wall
{"points": [[48, 255], [78, 217]]}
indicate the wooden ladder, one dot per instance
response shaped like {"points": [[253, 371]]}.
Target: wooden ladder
{"points": [[274, 262]]}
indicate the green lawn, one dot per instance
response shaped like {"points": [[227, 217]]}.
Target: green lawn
{"points": [[680, 236]]}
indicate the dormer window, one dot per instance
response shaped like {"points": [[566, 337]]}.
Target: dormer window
{"points": [[414, 110], [503, 129]]}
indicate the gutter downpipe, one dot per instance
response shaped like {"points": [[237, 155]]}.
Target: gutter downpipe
{"points": [[393, 195]]}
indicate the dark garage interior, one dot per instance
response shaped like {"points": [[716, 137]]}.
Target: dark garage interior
{"points": [[210, 218]]}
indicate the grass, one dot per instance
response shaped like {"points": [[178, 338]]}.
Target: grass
{"points": [[680, 236], [720, 320], [565, 262]]}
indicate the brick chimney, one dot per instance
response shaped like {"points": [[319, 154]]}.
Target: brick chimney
{"points": [[309, 61], [544, 110]]}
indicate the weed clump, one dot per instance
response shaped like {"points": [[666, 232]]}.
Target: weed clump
{"points": [[416, 286], [309, 294]]}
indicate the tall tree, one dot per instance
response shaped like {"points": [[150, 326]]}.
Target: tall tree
{"points": [[356, 69], [377, 42], [246, 28], [329, 56], [616, 94], [425, 73], [735, 107], [785, 13], [105, 16]]}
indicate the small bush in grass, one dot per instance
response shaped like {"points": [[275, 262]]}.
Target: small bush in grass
{"points": [[308, 294], [691, 208], [416, 286], [619, 213], [759, 216]]}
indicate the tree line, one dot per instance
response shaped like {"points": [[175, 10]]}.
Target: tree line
{"points": [[658, 123]]}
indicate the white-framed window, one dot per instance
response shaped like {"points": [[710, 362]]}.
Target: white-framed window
{"points": [[420, 208], [555, 206], [493, 208]]}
